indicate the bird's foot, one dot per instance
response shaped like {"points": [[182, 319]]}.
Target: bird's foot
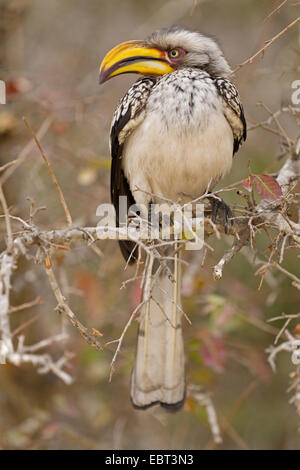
{"points": [[227, 215]]}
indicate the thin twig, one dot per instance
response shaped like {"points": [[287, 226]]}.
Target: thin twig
{"points": [[25, 305], [26, 150], [275, 10], [267, 44], [58, 188], [7, 219], [89, 336]]}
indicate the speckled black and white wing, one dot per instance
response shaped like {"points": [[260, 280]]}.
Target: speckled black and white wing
{"points": [[130, 112], [233, 110]]}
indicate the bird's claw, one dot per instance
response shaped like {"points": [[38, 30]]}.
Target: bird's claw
{"points": [[227, 215]]}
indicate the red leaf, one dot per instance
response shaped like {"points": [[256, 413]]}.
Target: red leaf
{"points": [[248, 183], [267, 187]]}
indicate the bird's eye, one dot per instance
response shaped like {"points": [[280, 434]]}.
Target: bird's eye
{"points": [[174, 53]]}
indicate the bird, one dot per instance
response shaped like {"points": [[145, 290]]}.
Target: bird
{"points": [[173, 136]]}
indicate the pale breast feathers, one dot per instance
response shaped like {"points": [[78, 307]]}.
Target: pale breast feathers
{"points": [[155, 125], [130, 112]]}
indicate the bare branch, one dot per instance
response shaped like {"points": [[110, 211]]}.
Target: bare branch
{"points": [[204, 399], [26, 151], [63, 307], [267, 44], [58, 188], [7, 219]]}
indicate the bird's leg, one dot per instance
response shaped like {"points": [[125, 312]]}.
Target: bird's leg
{"points": [[217, 203]]}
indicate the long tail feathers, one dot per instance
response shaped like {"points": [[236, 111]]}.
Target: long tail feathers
{"points": [[158, 375]]}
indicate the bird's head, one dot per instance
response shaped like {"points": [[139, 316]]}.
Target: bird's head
{"points": [[165, 51]]}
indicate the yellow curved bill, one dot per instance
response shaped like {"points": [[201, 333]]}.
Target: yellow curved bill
{"points": [[134, 57]]}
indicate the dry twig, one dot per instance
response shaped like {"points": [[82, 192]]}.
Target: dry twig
{"points": [[268, 43]]}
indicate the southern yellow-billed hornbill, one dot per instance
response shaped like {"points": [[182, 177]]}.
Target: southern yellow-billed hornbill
{"points": [[173, 134]]}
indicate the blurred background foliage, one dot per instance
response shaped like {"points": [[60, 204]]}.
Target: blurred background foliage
{"points": [[50, 52]]}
